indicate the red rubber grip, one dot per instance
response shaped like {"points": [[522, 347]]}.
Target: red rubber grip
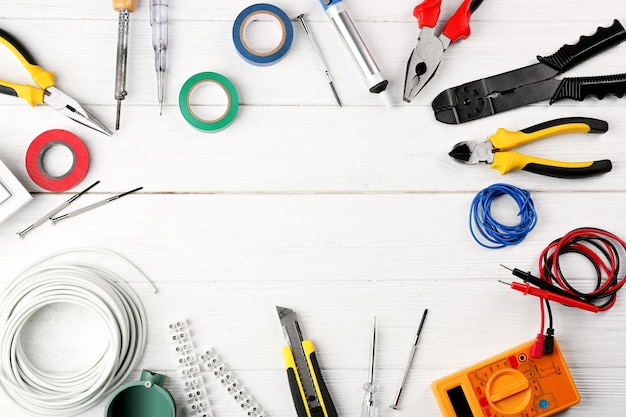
{"points": [[427, 13], [458, 27]]}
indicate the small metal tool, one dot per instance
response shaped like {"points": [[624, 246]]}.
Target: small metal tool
{"points": [[49, 216], [370, 405], [124, 7], [159, 20], [309, 35], [394, 405], [55, 220]]}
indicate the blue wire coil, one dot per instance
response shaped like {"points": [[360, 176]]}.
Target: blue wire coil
{"points": [[494, 234]]}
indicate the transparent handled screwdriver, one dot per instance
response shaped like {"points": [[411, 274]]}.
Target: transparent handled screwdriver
{"points": [[158, 20], [369, 406]]}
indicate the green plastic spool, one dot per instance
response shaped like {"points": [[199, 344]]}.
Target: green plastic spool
{"points": [[143, 398]]}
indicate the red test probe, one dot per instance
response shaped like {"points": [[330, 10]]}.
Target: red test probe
{"points": [[551, 296]]}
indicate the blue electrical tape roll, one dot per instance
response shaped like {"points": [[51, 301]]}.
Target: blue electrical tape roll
{"points": [[255, 12]]}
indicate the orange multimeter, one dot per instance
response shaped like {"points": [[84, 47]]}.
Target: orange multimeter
{"points": [[509, 384]]}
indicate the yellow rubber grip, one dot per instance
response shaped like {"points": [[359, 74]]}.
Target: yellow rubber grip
{"points": [[42, 78], [32, 95], [511, 161], [124, 5], [505, 139], [309, 348], [290, 363]]}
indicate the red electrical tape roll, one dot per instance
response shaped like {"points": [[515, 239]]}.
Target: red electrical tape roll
{"points": [[41, 145]]}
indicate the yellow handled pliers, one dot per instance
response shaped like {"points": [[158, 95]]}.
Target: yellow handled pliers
{"points": [[495, 149], [47, 93]]}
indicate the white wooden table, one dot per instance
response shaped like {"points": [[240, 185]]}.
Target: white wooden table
{"points": [[338, 213]]}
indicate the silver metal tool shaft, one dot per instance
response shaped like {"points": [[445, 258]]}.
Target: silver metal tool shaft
{"points": [[159, 20], [120, 68], [369, 407], [49, 216], [55, 220], [309, 35], [394, 405]]}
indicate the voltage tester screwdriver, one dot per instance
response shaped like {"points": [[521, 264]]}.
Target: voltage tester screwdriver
{"points": [[125, 8], [158, 21]]}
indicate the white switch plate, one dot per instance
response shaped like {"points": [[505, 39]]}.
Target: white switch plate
{"points": [[13, 195]]}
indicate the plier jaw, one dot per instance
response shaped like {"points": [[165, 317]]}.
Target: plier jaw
{"points": [[423, 62], [473, 152], [72, 109]]}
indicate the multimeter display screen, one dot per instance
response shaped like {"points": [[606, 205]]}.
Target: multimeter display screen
{"points": [[459, 402]]}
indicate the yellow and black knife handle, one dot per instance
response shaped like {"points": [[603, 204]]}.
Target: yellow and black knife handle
{"points": [[328, 408], [505, 139], [295, 385], [42, 78]]}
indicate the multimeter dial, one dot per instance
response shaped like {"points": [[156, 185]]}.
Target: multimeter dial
{"points": [[508, 391]]}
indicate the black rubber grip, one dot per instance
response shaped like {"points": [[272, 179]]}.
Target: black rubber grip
{"points": [[595, 125], [597, 167], [588, 46], [380, 87], [328, 402], [19, 46], [8, 91], [295, 393], [475, 4], [579, 88]]}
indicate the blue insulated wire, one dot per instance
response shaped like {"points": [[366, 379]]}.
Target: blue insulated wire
{"points": [[494, 234]]}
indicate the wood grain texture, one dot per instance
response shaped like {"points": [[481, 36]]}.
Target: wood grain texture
{"points": [[340, 214]]}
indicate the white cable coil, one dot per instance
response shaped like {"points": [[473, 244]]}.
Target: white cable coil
{"points": [[87, 285]]}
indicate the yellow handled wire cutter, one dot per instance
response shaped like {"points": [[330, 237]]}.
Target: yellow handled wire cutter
{"points": [[495, 150], [46, 93]]}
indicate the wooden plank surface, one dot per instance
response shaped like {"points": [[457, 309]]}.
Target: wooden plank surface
{"points": [[338, 213]]}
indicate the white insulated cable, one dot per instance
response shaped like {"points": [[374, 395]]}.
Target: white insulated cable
{"points": [[93, 287]]}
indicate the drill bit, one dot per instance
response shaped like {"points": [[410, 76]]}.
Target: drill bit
{"points": [[158, 21], [124, 7], [319, 56]]}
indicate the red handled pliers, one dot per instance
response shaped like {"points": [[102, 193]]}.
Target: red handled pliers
{"points": [[426, 56]]}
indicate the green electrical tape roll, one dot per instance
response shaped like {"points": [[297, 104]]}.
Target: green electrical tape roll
{"points": [[222, 121]]}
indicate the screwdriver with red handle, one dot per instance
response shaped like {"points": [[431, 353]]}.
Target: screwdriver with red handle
{"points": [[125, 8]]}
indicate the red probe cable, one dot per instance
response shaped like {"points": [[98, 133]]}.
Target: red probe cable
{"points": [[602, 249], [545, 294]]}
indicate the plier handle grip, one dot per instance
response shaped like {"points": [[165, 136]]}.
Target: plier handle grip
{"points": [[46, 92], [426, 56], [44, 79], [457, 27], [496, 150]]}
